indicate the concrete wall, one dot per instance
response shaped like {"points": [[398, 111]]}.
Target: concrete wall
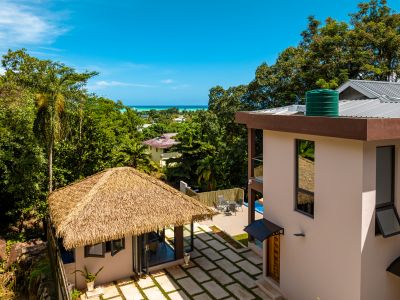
{"points": [[115, 267], [377, 252], [160, 156], [326, 263]]}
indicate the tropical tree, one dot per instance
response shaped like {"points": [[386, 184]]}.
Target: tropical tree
{"points": [[135, 154]]}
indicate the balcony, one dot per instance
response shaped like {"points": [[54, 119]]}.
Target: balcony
{"points": [[257, 166]]}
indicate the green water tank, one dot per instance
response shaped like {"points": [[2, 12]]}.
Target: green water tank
{"points": [[322, 102]]}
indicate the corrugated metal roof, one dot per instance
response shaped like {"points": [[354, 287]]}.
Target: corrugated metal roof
{"points": [[374, 89], [371, 108]]}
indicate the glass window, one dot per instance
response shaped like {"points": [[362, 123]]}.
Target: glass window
{"points": [[117, 245], [96, 250], [384, 175], [188, 238], [388, 221], [305, 177]]}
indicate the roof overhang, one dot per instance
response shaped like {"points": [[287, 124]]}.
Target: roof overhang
{"points": [[263, 229], [368, 93], [394, 267], [364, 129]]}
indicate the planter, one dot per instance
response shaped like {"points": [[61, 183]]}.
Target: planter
{"points": [[90, 286], [186, 258]]}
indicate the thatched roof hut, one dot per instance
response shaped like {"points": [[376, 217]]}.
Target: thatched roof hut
{"points": [[119, 202]]}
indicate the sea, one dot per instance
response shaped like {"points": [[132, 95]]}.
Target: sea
{"points": [[164, 107]]}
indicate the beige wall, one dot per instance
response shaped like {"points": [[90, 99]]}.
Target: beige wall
{"points": [[115, 267], [159, 156], [326, 263], [377, 252]]}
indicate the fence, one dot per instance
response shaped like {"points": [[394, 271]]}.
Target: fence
{"points": [[63, 290]]}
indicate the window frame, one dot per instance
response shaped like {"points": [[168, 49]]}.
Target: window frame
{"points": [[297, 188], [114, 252], [379, 224], [87, 254], [392, 179]]}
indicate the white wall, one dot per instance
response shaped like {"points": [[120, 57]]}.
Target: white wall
{"points": [[115, 267], [377, 252], [326, 263]]}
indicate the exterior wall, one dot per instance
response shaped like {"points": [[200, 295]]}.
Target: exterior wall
{"points": [[326, 263], [377, 253], [115, 267], [160, 156]]}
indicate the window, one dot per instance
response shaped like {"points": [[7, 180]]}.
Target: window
{"points": [[387, 218], [305, 177], [188, 238], [115, 246], [96, 250]]}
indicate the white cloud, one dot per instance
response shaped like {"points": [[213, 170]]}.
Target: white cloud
{"points": [[102, 84], [180, 87], [22, 24], [2, 71], [167, 81]]}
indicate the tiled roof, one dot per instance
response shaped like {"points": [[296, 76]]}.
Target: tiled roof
{"points": [[162, 142], [374, 89]]}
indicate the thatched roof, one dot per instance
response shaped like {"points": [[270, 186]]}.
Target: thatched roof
{"points": [[119, 202]]}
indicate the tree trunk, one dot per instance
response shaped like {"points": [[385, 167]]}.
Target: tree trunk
{"points": [[50, 164]]}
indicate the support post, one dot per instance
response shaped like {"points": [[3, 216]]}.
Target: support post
{"points": [[178, 232]]}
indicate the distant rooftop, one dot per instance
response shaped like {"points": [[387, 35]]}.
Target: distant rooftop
{"points": [[374, 89], [162, 142]]}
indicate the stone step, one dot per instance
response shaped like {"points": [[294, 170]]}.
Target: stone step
{"points": [[269, 290]]}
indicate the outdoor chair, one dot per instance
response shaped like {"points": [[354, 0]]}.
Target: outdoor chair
{"points": [[232, 208], [239, 204], [221, 203]]}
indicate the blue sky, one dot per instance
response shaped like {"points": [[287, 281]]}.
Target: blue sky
{"points": [[162, 52]]}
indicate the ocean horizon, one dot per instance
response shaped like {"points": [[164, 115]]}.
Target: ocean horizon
{"points": [[164, 107]]}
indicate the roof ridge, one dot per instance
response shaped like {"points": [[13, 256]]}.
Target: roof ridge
{"points": [[375, 81], [81, 204]]}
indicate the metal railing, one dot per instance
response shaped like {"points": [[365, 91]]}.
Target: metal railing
{"points": [[63, 289], [257, 165]]}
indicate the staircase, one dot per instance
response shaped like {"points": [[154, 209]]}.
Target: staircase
{"points": [[269, 289]]}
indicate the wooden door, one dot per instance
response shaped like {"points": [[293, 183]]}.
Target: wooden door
{"points": [[273, 257]]}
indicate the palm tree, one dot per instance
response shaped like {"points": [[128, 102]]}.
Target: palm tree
{"points": [[205, 173], [136, 156]]}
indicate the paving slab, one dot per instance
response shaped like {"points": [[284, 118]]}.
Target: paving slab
{"points": [[145, 282], [195, 254], [191, 264], [110, 291], [125, 281], [204, 236], [239, 292], [205, 263], [211, 254], [216, 245], [227, 266], [245, 279], [166, 283], [199, 274], [205, 228], [231, 255], [249, 267], [215, 289], [169, 233], [259, 293], [176, 272], [178, 295], [252, 257], [199, 244], [203, 296], [190, 286], [221, 276], [158, 273], [154, 293], [131, 292]]}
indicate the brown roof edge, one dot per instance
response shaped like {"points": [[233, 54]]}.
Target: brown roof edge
{"points": [[365, 129]]}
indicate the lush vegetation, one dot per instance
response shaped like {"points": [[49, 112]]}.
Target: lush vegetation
{"points": [[53, 131]]}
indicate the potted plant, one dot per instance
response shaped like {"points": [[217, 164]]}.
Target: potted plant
{"points": [[89, 277], [186, 258]]}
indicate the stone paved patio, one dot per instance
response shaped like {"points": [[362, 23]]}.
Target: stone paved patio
{"points": [[218, 272]]}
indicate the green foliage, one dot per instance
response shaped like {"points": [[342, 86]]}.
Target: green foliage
{"points": [[75, 294], [89, 276]]}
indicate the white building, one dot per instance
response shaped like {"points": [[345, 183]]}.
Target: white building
{"points": [[331, 189], [159, 148]]}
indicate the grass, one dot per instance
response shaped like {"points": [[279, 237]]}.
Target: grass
{"points": [[226, 237], [242, 238]]}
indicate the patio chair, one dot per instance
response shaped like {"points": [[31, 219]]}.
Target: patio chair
{"points": [[239, 204], [232, 207], [221, 203]]}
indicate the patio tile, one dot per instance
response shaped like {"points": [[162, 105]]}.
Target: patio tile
{"points": [[211, 254], [240, 292], [199, 244], [215, 289], [196, 227], [190, 286], [145, 282], [176, 272], [259, 293], [178, 295], [154, 293], [205, 228], [195, 254], [157, 273], [203, 296], [216, 245], [131, 292], [199, 274], [204, 236], [125, 281], [169, 233], [231, 255], [245, 279], [252, 257], [221, 276], [227, 266], [166, 283], [205, 263], [249, 267], [110, 291]]}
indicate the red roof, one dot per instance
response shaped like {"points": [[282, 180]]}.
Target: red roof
{"points": [[165, 141]]}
